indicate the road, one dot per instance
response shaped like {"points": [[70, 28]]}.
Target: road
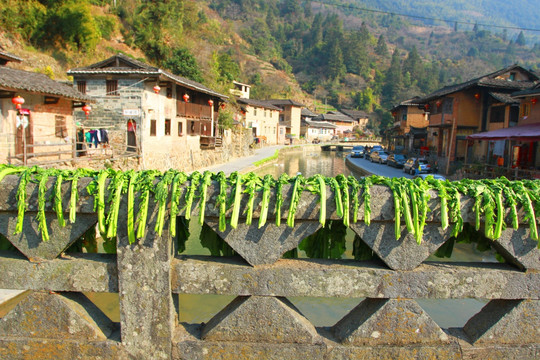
{"points": [[375, 168]]}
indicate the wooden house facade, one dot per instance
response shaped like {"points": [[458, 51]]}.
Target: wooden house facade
{"points": [[478, 105], [164, 119], [409, 132]]}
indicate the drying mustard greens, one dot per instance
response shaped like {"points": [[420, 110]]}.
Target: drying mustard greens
{"points": [[495, 201]]}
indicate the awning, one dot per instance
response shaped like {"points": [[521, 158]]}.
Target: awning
{"points": [[522, 133]]}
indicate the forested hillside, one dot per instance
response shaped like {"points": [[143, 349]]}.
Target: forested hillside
{"points": [[350, 54]]}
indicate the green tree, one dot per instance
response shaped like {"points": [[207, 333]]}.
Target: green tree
{"points": [[183, 63], [521, 39], [412, 64], [70, 24], [393, 83], [336, 66], [381, 49]]}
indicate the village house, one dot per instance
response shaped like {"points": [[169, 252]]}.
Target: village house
{"points": [[409, 132], [36, 116], [516, 146], [263, 120], [240, 90], [317, 130], [164, 120], [361, 117], [344, 124], [289, 117], [478, 105]]}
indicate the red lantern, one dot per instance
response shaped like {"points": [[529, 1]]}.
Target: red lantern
{"points": [[477, 96], [86, 110], [156, 89], [210, 102], [426, 107], [185, 97], [534, 101], [439, 103], [17, 101], [223, 105]]}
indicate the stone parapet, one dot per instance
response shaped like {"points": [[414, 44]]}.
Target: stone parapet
{"points": [[53, 319]]}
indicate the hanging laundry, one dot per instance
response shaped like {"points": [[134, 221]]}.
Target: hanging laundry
{"points": [[104, 136], [88, 138]]}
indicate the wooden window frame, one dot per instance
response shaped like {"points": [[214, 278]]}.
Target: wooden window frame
{"points": [[180, 128], [167, 130], [112, 87], [60, 126], [81, 86], [153, 127]]}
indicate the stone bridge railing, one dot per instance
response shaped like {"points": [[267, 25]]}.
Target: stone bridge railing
{"points": [[55, 320]]}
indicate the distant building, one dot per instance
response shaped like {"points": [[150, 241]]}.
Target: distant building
{"points": [[409, 132], [240, 90], [42, 131], [361, 117], [343, 123], [263, 120], [165, 120]]}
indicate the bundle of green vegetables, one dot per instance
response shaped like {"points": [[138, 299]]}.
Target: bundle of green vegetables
{"points": [[175, 190]]}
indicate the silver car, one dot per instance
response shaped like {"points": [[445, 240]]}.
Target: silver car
{"points": [[379, 156]]}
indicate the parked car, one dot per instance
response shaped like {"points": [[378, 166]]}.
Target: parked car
{"points": [[435, 176], [416, 166], [367, 154], [357, 151], [396, 160], [379, 156]]}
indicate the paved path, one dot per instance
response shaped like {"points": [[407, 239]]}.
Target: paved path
{"points": [[244, 163], [376, 169]]}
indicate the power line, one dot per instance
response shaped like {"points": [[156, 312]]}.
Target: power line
{"points": [[428, 18]]}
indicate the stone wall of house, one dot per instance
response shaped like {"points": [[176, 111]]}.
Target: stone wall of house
{"points": [[54, 320]]}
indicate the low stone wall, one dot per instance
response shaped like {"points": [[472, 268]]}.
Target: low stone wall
{"points": [[56, 321]]}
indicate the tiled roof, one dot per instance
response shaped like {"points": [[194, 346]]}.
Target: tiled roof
{"points": [[489, 80], [355, 114], [258, 103], [20, 80], [319, 124], [535, 90], [333, 117], [307, 112], [5, 56], [284, 102], [121, 64], [504, 98]]}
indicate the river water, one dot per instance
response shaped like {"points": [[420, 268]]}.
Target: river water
{"points": [[320, 311]]}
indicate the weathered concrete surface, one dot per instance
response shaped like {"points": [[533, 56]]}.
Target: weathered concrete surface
{"points": [[505, 322], [405, 253], [388, 322], [47, 349], [77, 272], [518, 248], [56, 316], [437, 352], [267, 244], [144, 283], [29, 241], [260, 319], [198, 350], [349, 278]]}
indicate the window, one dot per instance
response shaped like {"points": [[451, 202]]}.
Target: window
{"points": [[153, 125], [497, 114], [255, 112], [60, 127], [81, 86], [112, 87], [180, 129], [525, 110], [512, 76], [169, 92], [167, 127]]}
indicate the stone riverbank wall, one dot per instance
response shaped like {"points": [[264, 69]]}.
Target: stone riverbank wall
{"points": [[55, 320]]}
